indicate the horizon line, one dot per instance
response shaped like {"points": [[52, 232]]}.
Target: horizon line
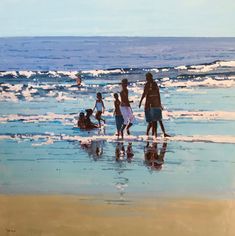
{"points": [[110, 36]]}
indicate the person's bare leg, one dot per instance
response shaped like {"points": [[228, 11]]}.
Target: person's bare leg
{"points": [[148, 128], [154, 129], [163, 129], [122, 129], [128, 127]]}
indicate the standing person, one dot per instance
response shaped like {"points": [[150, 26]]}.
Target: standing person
{"points": [[153, 106], [99, 106], [125, 108], [149, 80], [118, 115]]}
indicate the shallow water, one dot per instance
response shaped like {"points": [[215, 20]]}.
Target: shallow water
{"points": [[42, 152]]}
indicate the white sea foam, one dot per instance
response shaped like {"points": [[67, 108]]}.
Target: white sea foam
{"points": [[15, 87], [200, 115], [8, 96], [155, 70], [203, 68], [191, 91], [205, 139], [53, 74], [71, 74], [48, 139], [102, 72], [27, 74], [165, 70], [227, 63], [7, 73], [207, 68], [62, 97], [71, 118], [181, 68], [208, 82], [211, 67], [27, 95], [38, 118]]}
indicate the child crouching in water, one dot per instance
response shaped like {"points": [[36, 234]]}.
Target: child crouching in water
{"points": [[99, 106], [118, 115], [81, 121], [84, 121]]}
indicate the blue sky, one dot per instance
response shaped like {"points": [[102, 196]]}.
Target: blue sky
{"points": [[117, 18]]}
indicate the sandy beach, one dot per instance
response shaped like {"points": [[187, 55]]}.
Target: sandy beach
{"points": [[94, 215]]}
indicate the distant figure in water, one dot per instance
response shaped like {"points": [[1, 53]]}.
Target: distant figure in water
{"points": [[99, 106], [118, 115], [152, 158], [125, 108], [78, 80], [153, 107]]}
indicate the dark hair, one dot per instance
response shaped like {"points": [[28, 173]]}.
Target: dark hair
{"points": [[99, 95], [115, 95], [149, 77], [124, 81], [81, 114], [89, 111]]}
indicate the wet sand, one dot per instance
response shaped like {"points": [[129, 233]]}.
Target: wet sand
{"points": [[101, 215]]}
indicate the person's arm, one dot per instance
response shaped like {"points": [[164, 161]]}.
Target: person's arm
{"points": [[143, 96], [159, 97], [94, 107], [103, 106]]}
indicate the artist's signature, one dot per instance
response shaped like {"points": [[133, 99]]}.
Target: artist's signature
{"points": [[10, 230]]}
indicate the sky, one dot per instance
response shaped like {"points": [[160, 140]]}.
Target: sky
{"points": [[190, 18]]}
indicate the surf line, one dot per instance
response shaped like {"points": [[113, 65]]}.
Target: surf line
{"points": [[47, 139]]}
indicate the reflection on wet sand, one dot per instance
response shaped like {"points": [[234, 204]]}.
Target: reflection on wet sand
{"points": [[94, 149], [121, 153], [153, 159]]}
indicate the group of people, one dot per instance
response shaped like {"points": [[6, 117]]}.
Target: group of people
{"points": [[122, 109]]}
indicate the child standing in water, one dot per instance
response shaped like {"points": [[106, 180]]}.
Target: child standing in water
{"points": [[118, 115], [99, 106]]}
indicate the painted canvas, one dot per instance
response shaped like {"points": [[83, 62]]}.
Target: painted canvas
{"points": [[117, 117]]}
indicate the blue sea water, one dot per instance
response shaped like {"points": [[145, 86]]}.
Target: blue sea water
{"points": [[88, 53], [42, 152]]}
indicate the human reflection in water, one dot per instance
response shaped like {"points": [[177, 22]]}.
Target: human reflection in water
{"points": [[153, 159], [94, 149], [122, 154]]}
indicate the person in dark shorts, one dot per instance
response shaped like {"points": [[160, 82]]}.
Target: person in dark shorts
{"points": [[99, 106], [118, 115], [153, 106]]}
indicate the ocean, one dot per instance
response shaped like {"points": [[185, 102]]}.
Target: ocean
{"points": [[42, 151]]}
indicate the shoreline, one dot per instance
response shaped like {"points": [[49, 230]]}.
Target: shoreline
{"points": [[103, 215]]}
